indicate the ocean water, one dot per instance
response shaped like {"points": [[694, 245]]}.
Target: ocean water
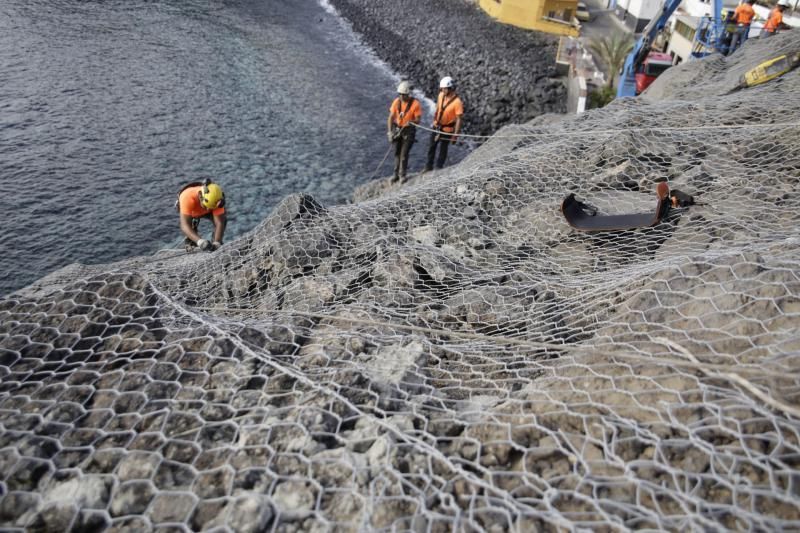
{"points": [[108, 107]]}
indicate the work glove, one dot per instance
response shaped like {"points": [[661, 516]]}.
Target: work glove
{"points": [[390, 136], [215, 245], [204, 245]]}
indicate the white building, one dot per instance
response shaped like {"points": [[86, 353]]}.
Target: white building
{"points": [[636, 13], [681, 39]]}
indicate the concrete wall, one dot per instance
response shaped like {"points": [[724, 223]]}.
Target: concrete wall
{"points": [[581, 70], [679, 48], [644, 9], [703, 8], [577, 94], [635, 14]]}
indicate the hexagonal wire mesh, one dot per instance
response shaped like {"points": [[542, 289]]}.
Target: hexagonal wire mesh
{"points": [[451, 355]]}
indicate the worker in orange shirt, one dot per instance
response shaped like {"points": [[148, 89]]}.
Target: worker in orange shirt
{"points": [[446, 122], [775, 20], [197, 201], [742, 17], [404, 113]]}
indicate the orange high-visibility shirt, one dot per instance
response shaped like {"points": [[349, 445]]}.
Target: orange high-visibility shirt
{"points": [[774, 21], [402, 113], [453, 107], [744, 14], [190, 204]]}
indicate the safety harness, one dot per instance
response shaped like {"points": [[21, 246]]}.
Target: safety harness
{"points": [[402, 130], [402, 114], [439, 115]]}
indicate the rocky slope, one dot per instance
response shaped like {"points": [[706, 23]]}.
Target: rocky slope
{"points": [[505, 75], [450, 355]]}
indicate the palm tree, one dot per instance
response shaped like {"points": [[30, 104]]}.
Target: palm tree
{"points": [[612, 50]]}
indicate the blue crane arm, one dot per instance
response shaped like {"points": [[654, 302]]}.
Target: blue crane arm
{"points": [[627, 82]]}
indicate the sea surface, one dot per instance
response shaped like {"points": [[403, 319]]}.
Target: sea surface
{"points": [[108, 107]]}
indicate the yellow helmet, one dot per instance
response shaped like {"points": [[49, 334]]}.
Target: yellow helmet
{"points": [[211, 196]]}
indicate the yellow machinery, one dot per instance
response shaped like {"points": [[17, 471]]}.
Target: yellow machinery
{"points": [[769, 70], [550, 16]]}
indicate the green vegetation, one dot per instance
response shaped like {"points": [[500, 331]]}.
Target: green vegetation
{"points": [[612, 50], [601, 97]]}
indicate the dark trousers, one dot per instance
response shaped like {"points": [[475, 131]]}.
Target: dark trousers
{"points": [[442, 140], [738, 38], [402, 147]]}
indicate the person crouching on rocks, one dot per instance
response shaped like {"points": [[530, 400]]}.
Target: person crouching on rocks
{"points": [[404, 112], [446, 122], [196, 201]]}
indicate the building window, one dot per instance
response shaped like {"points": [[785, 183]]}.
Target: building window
{"points": [[684, 30]]}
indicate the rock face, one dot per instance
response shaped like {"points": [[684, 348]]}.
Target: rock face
{"points": [[450, 355], [505, 75]]}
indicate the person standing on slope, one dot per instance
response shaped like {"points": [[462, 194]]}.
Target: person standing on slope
{"points": [[404, 113], [742, 17], [775, 20], [446, 122], [196, 201]]}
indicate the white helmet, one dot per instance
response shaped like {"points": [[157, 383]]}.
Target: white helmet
{"points": [[784, 3], [448, 83], [404, 87]]}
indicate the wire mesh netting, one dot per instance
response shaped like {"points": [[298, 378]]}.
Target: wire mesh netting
{"points": [[451, 355]]}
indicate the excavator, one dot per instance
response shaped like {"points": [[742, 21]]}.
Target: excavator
{"points": [[643, 65]]}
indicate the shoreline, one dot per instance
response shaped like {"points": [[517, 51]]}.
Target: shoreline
{"points": [[510, 82]]}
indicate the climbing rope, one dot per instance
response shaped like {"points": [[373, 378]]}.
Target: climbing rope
{"points": [[381, 163]]}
